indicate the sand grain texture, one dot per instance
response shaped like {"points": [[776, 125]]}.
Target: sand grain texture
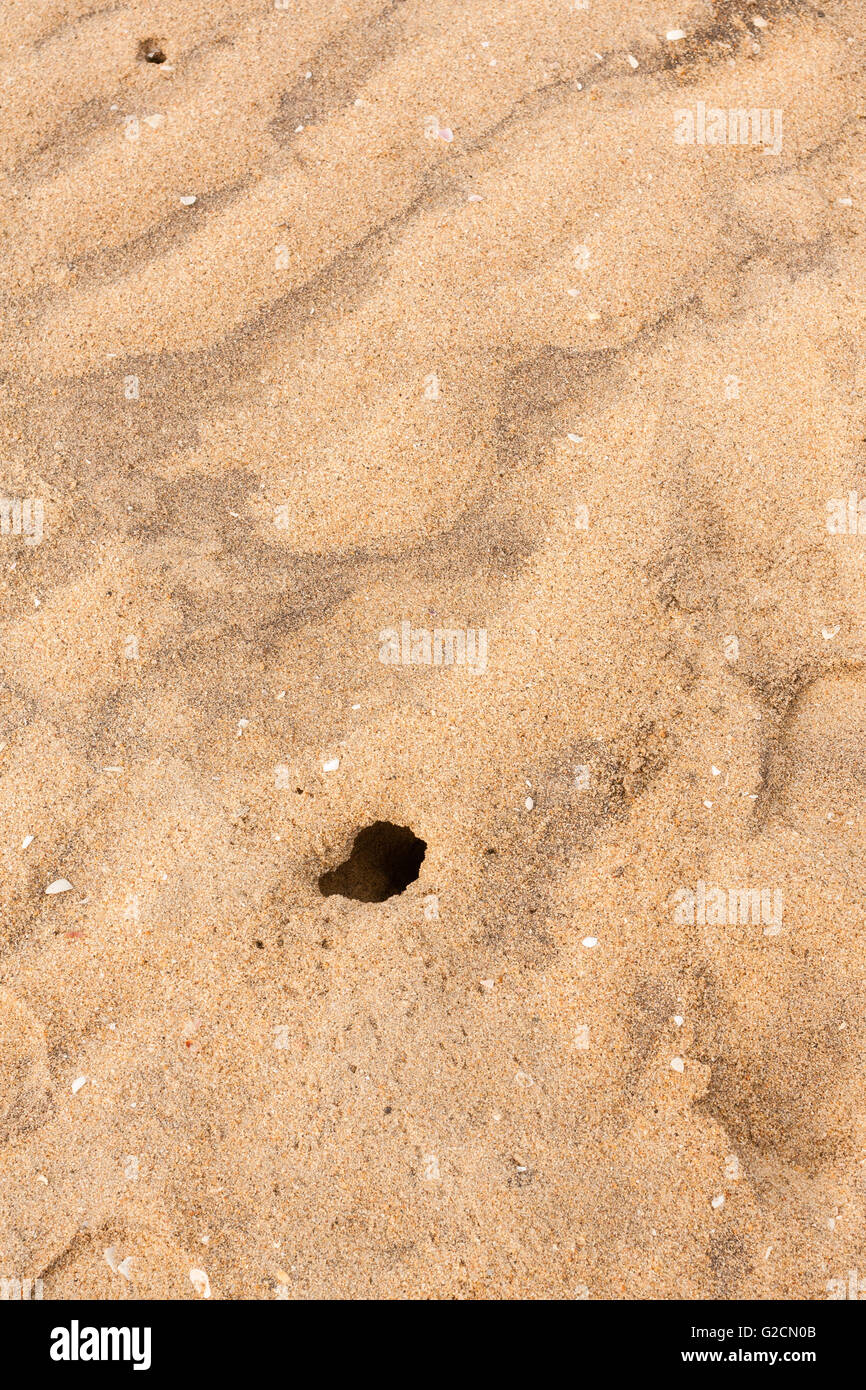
{"points": [[372, 376]]}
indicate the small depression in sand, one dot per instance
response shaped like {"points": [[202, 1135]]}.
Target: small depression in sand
{"points": [[385, 859], [150, 51]]}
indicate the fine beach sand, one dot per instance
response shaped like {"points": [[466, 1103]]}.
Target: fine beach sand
{"points": [[455, 333]]}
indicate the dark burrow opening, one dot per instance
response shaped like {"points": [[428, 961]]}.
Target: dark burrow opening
{"points": [[385, 859], [150, 51]]}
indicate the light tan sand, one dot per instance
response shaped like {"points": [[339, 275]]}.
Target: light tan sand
{"points": [[373, 376]]}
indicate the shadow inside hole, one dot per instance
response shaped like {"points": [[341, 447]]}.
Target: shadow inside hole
{"points": [[385, 859], [149, 51]]}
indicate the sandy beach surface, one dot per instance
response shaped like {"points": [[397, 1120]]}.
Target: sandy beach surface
{"points": [[435, 428]]}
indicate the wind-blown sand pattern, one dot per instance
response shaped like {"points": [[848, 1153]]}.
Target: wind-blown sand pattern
{"points": [[459, 332]]}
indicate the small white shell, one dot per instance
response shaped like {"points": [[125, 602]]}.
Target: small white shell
{"points": [[200, 1282]]}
